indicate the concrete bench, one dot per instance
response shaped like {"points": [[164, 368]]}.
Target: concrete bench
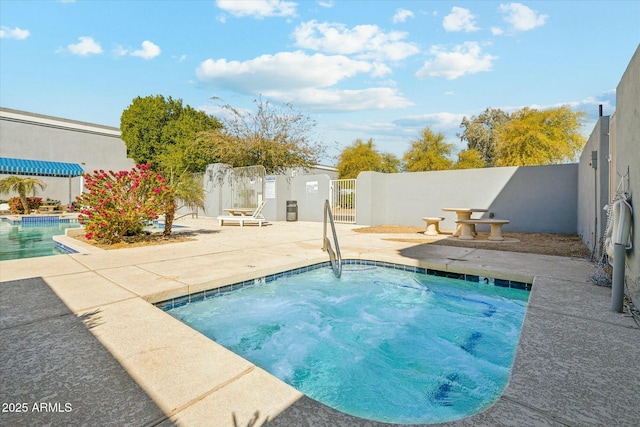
{"points": [[240, 219], [466, 232], [433, 225]]}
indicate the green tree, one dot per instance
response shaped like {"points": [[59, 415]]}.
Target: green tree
{"points": [[429, 153], [157, 131], [186, 189], [534, 137], [469, 159], [390, 163], [167, 135], [22, 186], [276, 138], [480, 133], [363, 156]]}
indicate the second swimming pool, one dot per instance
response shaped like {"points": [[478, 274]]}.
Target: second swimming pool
{"points": [[379, 343], [31, 239]]}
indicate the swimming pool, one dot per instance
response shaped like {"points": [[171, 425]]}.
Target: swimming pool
{"points": [[32, 238], [380, 343]]}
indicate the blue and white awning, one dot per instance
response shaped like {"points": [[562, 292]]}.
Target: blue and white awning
{"points": [[39, 167]]}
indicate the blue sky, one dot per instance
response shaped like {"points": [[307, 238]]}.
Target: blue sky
{"points": [[361, 69]]}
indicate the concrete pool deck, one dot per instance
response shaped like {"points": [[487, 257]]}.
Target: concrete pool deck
{"points": [[80, 335]]}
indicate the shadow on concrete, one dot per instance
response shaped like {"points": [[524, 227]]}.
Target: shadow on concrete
{"points": [[55, 372], [553, 210], [193, 233]]}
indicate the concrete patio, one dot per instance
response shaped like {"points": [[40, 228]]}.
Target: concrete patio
{"points": [[81, 335]]}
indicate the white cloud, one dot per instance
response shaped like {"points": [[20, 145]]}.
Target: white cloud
{"points": [[303, 79], [149, 50], [120, 51], [258, 9], [589, 104], [375, 98], [497, 31], [442, 120], [86, 46], [282, 71], [401, 16], [364, 41], [326, 3], [15, 33], [460, 19], [521, 17], [466, 58]]}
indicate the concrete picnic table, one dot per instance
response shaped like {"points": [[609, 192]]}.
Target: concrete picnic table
{"points": [[240, 211], [464, 214]]}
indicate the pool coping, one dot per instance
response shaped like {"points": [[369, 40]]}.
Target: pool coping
{"points": [[568, 327], [179, 301]]}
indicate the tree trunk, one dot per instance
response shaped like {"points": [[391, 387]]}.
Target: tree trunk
{"points": [[168, 218], [25, 204]]}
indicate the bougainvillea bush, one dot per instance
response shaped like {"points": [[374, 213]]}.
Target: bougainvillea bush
{"points": [[15, 204], [118, 204]]}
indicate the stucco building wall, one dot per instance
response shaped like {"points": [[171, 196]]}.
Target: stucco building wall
{"points": [[32, 136]]}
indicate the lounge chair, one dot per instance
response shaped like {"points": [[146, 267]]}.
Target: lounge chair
{"points": [[256, 216]]}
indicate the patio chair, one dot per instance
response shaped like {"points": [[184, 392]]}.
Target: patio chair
{"points": [[256, 216]]}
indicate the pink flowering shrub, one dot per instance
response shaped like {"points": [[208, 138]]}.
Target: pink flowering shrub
{"points": [[15, 204], [117, 204]]}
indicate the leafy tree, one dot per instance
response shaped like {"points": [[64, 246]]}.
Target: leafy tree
{"points": [[363, 156], [480, 133], [156, 130], [190, 155], [166, 134], [22, 186], [469, 159], [534, 137], [429, 153], [390, 163], [276, 138]]}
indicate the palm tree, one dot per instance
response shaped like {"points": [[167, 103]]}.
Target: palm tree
{"points": [[22, 186], [186, 189]]}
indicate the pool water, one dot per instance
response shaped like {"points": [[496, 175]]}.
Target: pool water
{"points": [[381, 344], [31, 240]]}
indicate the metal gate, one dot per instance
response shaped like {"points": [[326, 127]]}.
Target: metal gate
{"points": [[342, 196], [247, 186]]}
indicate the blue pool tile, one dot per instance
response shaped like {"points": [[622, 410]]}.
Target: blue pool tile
{"points": [[327, 264], [198, 296], [502, 283], [179, 302], [64, 248]]}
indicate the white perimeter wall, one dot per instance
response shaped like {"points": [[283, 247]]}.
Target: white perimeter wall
{"points": [[536, 199], [626, 162]]}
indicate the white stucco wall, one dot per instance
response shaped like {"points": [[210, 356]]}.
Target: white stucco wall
{"points": [[593, 187], [627, 161], [536, 199]]}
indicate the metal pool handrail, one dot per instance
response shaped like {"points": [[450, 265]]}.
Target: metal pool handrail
{"points": [[334, 257]]}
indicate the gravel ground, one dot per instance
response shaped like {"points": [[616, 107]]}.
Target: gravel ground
{"points": [[535, 243]]}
